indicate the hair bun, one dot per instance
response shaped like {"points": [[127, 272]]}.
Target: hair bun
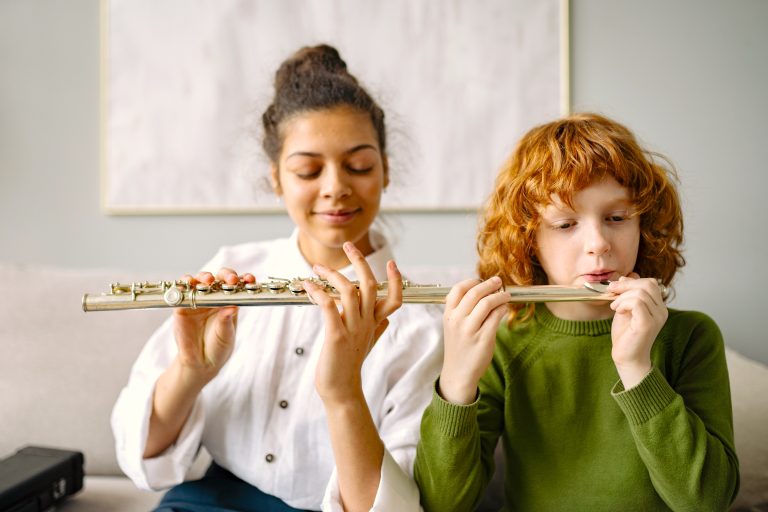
{"points": [[308, 62], [316, 78], [323, 56]]}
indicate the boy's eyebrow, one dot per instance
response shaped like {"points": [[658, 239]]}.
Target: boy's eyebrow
{"points": [[563, 207], [621, 201]]}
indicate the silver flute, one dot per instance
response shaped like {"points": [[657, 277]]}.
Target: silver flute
{"points": [[289, 292]]}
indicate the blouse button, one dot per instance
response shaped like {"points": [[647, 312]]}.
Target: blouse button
{"points": [[283, 403], [269, 457], [299, 351]]}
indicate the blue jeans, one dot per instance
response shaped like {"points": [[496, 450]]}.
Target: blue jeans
{"points": [[220, 491]]}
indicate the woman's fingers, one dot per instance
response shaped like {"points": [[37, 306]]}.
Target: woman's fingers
{"points": [[380, 330], [348, 295], [200, 277], [394, 298], [367, 285], [227, 275], [224, 274], [326, 304]]}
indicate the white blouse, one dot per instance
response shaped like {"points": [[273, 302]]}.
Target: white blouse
{"points": [[261, 417]]}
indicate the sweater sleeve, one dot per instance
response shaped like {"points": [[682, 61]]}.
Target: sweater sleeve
{"points": [[454, 458], [683, 429]]}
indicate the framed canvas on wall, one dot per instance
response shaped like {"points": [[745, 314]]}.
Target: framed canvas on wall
{"points": [[184, 83]]}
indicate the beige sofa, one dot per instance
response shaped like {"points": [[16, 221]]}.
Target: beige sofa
{"points": [[61, 371]]}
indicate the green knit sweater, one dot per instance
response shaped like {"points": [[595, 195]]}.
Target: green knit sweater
{"points": [[573, 438]]}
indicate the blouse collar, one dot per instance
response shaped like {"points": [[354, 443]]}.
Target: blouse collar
{"points": [[288, 262]]}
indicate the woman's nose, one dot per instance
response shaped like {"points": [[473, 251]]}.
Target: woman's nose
{"points": [[334, 183]]}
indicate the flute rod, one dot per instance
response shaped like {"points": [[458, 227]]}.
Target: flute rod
{"points": [[179, 295]]}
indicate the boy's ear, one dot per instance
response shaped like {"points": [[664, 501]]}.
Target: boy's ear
{"points": [[274, 180]]}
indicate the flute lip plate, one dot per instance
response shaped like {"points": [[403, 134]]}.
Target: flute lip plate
{"points": [[599, 287]]}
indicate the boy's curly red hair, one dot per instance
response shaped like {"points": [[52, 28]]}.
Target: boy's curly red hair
{"points": [[564, 157]]}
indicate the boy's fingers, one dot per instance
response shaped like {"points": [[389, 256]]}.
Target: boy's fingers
{"points": [[493, 320], [488, 306], [458, 291], [473, 296]]}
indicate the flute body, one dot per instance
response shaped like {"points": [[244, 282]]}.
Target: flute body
{"points": [[290, 292]]}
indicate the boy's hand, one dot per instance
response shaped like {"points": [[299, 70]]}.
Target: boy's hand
{"points": [[473, 312], [640, 315]]}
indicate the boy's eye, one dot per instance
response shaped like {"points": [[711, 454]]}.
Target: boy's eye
{"points": [[616, 218], [563, 225]]}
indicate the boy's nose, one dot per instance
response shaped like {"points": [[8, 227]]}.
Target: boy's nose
{"points": [[596, 241]]}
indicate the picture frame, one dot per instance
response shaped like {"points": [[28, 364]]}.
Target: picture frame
{"points": [[184, 83]]}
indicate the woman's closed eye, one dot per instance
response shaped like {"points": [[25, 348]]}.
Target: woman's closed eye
{"points": [[307, 174], [359, 169]]}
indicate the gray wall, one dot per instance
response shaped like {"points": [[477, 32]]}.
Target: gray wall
{"points": [[688, 76]]}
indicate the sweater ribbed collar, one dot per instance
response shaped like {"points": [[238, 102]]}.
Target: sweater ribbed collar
{"points": [[571, 327]]}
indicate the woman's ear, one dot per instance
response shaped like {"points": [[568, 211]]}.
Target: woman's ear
{"points": [[274, 179], [385, 164]]}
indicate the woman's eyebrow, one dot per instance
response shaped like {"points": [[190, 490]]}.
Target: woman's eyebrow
{"points": [[361, 147], [303, 153], [312, 154]]}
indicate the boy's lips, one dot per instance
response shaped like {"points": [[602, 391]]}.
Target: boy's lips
{"points": [[599, 275]]}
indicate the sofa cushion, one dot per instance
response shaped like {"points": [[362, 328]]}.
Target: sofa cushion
{"points": [[749, 389], [61, 369], [112, 493]]}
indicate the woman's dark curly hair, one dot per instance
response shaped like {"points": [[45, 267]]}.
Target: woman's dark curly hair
{"points": [[562, 158], [315, 78]]}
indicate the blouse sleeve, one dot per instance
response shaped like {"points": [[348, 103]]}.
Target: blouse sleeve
{"points": [[130, 421], [413, 360], [132, 411]]}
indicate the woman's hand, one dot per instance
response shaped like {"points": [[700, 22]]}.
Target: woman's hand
{"points": [[351, 333], [206, 336], [473, 312], [640, 315]]}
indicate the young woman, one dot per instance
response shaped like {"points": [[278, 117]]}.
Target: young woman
{"points": [[294, 414], [620, 405]]}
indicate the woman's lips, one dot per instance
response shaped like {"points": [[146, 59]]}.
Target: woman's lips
{"points": [[338, 217]]}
